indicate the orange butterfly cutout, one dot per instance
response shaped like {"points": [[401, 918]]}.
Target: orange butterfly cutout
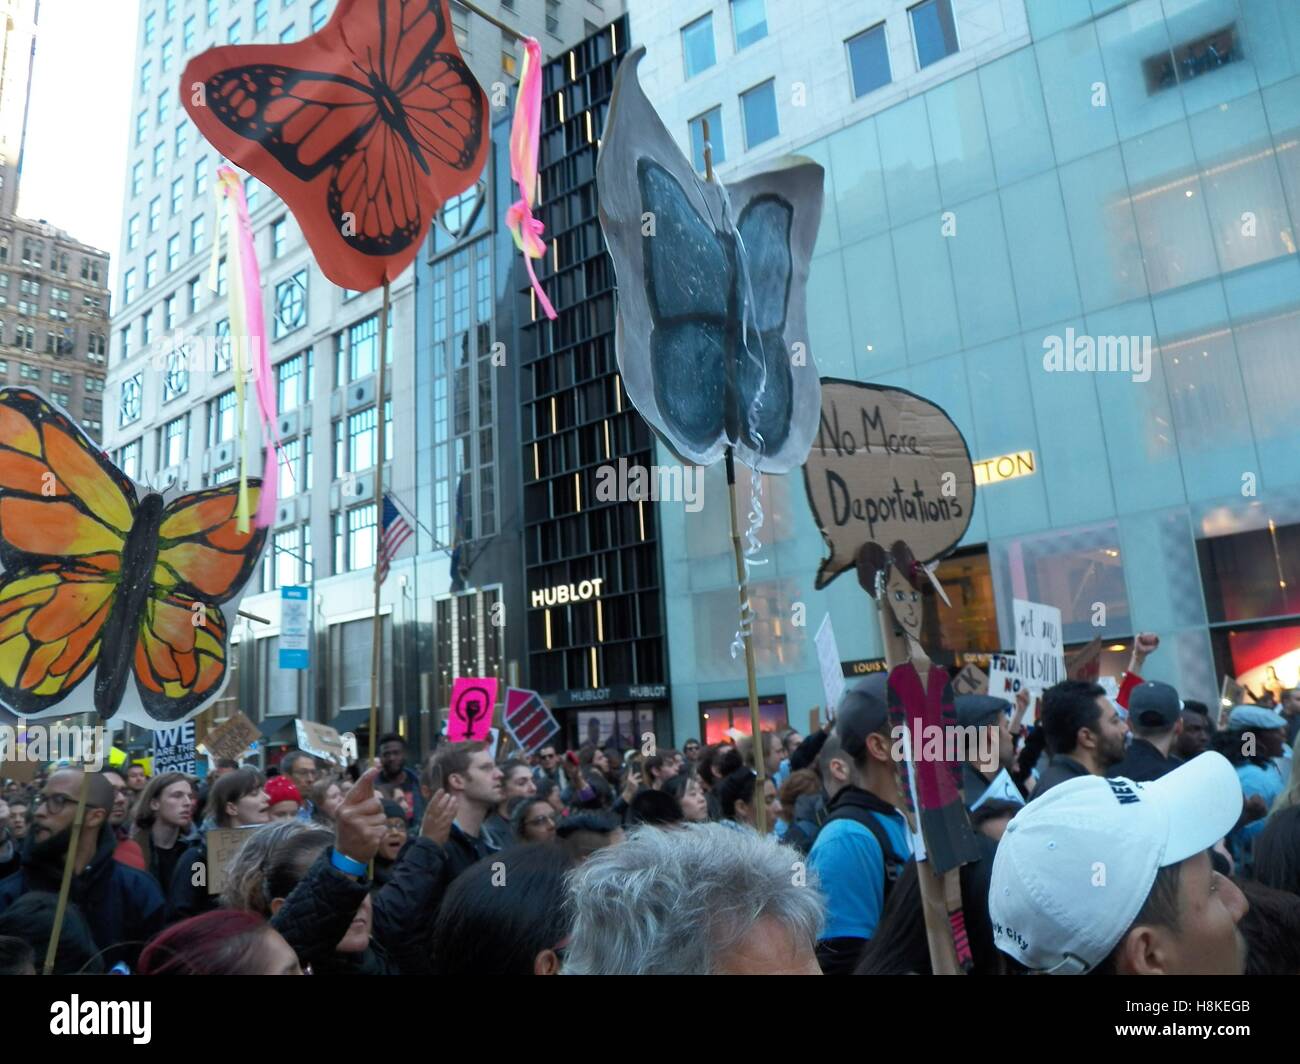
{"points": [[98, 582]]}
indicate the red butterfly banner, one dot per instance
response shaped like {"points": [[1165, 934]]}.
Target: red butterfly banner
{"points": [[364, 129]]}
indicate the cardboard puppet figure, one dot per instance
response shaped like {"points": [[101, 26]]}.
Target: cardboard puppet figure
{"points": [[921, 698], [113, 600]]}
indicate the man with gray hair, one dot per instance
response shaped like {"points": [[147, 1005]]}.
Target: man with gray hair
{"points": [[700, 899]]}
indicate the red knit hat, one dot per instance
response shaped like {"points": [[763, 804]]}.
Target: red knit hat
{"points": [[282, 789]]}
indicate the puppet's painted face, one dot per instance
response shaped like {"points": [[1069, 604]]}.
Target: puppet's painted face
{"points": [[905, 601]]}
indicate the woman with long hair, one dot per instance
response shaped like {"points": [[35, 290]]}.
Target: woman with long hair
{"points": [[164, 825], [237, 800]]}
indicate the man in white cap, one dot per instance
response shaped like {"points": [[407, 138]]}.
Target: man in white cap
{"points": [[1113, 877]]}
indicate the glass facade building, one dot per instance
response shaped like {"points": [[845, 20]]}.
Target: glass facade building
{"points": [[1131, 176]]}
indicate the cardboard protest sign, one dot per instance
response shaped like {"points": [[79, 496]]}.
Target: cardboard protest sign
{"points": [[1005, 680], [473, 701], [232, 737], [223, 844], [886, 465], [147, 644], [528, 720], [320, 740], [712, 332], [173, 749], [1002, 789], [972, 680], [1040, 654], [828, 658], [1231, 693], [1085, 663]]}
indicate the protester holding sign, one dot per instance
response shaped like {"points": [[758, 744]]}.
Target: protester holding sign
{"points": [[122, 906]]}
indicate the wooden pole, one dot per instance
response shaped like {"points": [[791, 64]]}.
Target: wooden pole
{"points": [[377, 631], [495, 21], [742, 583], [69, 869]]}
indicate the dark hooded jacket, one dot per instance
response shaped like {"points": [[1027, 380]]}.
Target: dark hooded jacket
{"points": [[123, 906]]}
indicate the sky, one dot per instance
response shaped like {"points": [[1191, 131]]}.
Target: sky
{"points": [[78, 124]]}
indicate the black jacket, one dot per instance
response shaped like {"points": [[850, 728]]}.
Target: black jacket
{"points": [[123, 906], [1143, 762], [184, 899], [319, 910], [1062, 767]]}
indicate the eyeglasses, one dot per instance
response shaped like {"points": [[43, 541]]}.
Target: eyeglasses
{"points": [[394, 826], [538, 821], [57, 802]]}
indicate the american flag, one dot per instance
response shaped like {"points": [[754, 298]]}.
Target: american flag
{"points": [[395, 532]]}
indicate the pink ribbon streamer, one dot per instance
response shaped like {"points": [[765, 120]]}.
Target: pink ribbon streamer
{"points": [[256, 322], [525, 141]]}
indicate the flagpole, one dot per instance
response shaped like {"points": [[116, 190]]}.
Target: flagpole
{"points": [[377, 631]]}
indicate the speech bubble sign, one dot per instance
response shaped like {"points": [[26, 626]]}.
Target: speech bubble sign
{"points": [[886, 465]]}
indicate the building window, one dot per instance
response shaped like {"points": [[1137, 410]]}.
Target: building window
{"points": [[221, 349], [29, 373], [289, 382], [363, 348], [128, 409], [171, 443], [290, 481], [508, 64], [182, 140], [176, 377], [458, 213], [260, 15], [128, 287], [697, 46], [252, 191], [187, 34], [169, 10], [869, 60], [361, 538], [714, 118], [319, 15], [200, 177], [159, 158], [290, 304], [173, 252], [168, 54], [133, 233], [553, 17], [221, 418], [361, 440], [279, 237], [749, 20], [128, 459], [222, 279], [197, 227], [178, 195], [233, 33], [146, 328], [288, 34], [196, 298], [141, 121], [150, 27], [933, 30], [137, 178], [150, 269], [155, 214], [125, 334], [146, 76], [212, 12], [758, 108], [169, 311]]}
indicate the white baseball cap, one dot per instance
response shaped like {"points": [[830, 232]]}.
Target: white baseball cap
{"points": [[1076, 865]]}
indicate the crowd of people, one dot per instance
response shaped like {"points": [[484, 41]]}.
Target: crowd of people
{"points": [[1137, 836]]}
